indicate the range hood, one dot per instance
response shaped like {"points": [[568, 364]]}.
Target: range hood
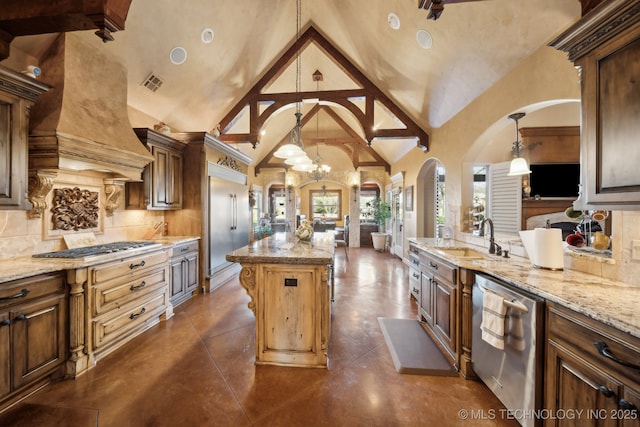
{"points": [[82, 122]]}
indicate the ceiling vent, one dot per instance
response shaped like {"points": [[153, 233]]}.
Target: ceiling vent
{"points": [[152, 82]]}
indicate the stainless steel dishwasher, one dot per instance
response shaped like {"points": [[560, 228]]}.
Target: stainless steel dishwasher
{"points": [[514, 373]]}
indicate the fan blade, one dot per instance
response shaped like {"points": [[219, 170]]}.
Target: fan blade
{"points": [[460, 1]]}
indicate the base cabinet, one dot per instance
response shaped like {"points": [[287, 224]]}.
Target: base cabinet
{"points": [[184, 268], [293, 312], [439, 302], [587, 373], [33, 334]]}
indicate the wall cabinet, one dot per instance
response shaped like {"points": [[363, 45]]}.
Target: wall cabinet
{"points": [[33, 334], [17, 94], [161, 186], [590, 367], [184, 272], [605, 45]]}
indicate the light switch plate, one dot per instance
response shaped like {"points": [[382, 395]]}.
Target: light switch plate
{"points": [[635, 250]]}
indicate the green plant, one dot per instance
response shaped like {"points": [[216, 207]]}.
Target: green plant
{"points": [[378, 210]]}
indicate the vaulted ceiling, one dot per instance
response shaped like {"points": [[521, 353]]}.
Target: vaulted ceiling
{"points": [[474, 44]]}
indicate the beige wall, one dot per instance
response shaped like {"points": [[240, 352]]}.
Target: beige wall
{"points": [[544, 78]]}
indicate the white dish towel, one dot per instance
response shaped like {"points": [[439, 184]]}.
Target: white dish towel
{"points": [[493, 317]]}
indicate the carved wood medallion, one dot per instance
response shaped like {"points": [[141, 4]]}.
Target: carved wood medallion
{"points": [[74, 209]]}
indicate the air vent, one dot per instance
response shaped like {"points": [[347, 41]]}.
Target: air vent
{"points": [[152, 82], [178, 55]]}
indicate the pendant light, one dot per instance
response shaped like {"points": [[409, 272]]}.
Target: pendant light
{"points": [[294, 147], [518, 164]]}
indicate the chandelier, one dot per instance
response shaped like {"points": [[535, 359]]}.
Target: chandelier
{"points": [[319, 171]]}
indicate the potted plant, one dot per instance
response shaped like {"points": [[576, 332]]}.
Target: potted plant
{"points": [[380, 211]]}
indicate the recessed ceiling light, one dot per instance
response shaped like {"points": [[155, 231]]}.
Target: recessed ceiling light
{"points": [[206, 36], [178, 55], [424, 39], [393, 20]]}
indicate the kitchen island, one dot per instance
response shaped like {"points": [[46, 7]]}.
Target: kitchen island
{"points": [[289, 285]]}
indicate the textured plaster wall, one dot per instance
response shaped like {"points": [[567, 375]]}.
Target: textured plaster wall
{"points": [[545, 76]]}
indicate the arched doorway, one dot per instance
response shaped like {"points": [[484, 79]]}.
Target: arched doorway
{"points": [[430, 200]]}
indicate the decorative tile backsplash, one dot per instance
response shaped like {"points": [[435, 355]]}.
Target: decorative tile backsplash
{"points": [[75, 209]]}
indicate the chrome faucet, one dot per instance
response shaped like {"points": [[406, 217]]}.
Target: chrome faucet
{"points": [[492, 240]]}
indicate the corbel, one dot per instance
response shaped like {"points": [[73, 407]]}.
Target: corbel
{"points": [[40, 184], [112, 189]]}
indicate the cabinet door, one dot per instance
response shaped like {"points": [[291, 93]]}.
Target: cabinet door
{"points": [[38, 335], [174, 180], [13, 154], [444, 312], [5, 354], [573, 385], [611, 105], [191, 272], [177, 277], [628, 408], [426, 299], [160, 185]]}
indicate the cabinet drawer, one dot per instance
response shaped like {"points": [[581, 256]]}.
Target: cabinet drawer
{"points": [[185, 248], [579, 334], [19, 291], [110, 329], [128, 266], [434, 265], [414, 284], [116, 293]]}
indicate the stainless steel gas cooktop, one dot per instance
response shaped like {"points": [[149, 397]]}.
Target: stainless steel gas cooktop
{"points": [[101, 249]]}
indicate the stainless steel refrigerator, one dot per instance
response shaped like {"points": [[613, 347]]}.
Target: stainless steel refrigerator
{"points": [[228, 220]]}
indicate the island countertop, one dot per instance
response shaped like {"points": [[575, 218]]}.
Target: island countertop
{"points": [[285, 248], [611, 302]]}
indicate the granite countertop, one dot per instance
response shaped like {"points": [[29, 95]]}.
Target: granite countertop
{"points": [[284, 248], [27, 266], [611, 302]]}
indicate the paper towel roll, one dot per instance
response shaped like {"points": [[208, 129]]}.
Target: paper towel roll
{"points": [[548, 248]]}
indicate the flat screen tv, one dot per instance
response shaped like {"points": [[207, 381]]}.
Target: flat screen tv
{"points": [[554, 179]]}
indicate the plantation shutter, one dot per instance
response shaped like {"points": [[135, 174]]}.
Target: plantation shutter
{"points": [[505, 198]]}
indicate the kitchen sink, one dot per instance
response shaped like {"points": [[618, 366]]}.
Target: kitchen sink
{"points": [[465, 253]]}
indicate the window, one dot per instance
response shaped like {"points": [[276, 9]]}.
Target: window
{"points": [[367, 195], [326, 204]]}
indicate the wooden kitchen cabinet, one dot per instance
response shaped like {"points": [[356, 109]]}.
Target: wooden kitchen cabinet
{"points": [[184, 268], [161, 186], [439, 302], [605, 46], [17, 94], [578, 377], [113, 302], [33, 334]]}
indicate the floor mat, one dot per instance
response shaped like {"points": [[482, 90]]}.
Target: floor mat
{"points": [[412, 350]]}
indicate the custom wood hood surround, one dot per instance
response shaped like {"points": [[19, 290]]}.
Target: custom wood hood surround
{"points": [[82, 123]]}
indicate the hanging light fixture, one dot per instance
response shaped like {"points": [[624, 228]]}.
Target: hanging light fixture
{"points": [[294, 147], [518, 164], [319, 171]]}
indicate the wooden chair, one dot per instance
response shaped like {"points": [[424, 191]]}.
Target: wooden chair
{"points": [[342, 236]]}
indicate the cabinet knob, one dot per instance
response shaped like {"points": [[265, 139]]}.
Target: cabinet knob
{"points": [[625, 404], [606, 391], [5, 322], [433, 265], [21, 317]]}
